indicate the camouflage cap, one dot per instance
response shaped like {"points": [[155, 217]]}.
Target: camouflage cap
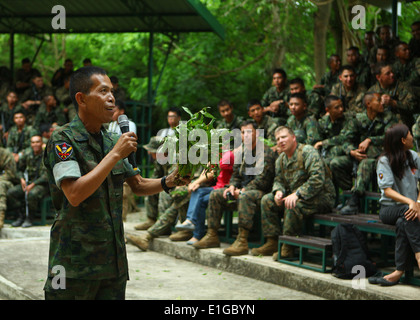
{"points": [[153, 144]]}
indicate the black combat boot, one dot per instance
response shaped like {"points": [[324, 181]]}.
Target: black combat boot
{"points": [[352, 206], [19, 220]]}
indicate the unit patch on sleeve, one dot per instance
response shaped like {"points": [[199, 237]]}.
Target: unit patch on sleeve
{"points": [[63, 150]]}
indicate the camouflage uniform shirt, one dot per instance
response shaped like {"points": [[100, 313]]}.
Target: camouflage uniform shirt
{"points": [[307, 175], [305, 129], [362, 127], [262, 181], [87, 240], [353, 99]]}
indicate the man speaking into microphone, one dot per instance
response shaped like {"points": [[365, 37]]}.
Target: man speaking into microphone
{"points": [[87, 167]]}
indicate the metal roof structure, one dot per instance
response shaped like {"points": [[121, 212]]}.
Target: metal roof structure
{"points": [[110, 16]]}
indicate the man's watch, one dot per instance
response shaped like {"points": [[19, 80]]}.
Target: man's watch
{"points": [[164, 186], [299, 195]]}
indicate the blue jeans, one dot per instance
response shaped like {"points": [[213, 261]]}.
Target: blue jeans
{"points": [[197, 210]]}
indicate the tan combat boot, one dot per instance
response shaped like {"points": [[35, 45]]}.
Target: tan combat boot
{"points": [[182, 235], [2, 215], [270, 247], [140, 241], [287, 251], [145, 225], [210, 240], [240, 246]]}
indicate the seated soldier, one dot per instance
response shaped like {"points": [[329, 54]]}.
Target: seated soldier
{"points": [[249, 182], [63, 96], [302, 187], [364, 144], [395, 96], [33, 96], [263, 121], [332, 126], [49, 112], [330, 78], [24, 76], [61, 73], [7, 110], [230, 120], [360, 67], [349, 90], [315, 103], [20, 134], [8, 177], [404, 66], [36, 184], [171, 207], [305, 126], [159, 170], [275, 98]]}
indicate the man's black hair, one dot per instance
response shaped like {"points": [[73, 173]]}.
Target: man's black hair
{"points": [[298, 95], [346, 67], [281, 71], [253, 102], [248, 122], [176, 110], [330, 98], [81, 81], [298, 81], [120, 105], [223, 103]]}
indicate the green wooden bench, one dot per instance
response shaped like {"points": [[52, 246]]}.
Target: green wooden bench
{"points": [[305, 243]]}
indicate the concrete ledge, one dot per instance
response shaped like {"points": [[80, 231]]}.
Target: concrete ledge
{"points": [[12, 291], [265, 269]]}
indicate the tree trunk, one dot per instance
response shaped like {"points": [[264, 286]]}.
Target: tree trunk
{"points": [[322, 17]]}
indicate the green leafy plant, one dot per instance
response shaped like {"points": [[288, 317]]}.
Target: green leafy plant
{"points": [[199, 125]]}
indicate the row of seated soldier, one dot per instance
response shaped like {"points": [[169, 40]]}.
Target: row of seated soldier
{"points": [[318, 143], [31, 109]]}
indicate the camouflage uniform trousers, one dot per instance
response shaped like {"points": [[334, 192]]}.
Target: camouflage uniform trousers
{"points": [[82, 289], [271, 214], [16, 197], [342, 169], [129, 202], [248, 203], [152, 206], [4, 186], [171, 208]]}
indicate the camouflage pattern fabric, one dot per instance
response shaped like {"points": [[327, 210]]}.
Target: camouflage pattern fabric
{"points": [[170, 207], [254, 187], [344, 167], [36, 174], [77, 289], [306, 129], [328, 80], [8, 175], [305, 172], [43, 116], [315, 104], [269, 125], [87, 240], [353, 99], [406, 101], [19, 141], [332, 137], [152, 202], [273, 95]]}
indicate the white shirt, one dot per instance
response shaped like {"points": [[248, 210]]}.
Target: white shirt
{"points": [[114, 127]]}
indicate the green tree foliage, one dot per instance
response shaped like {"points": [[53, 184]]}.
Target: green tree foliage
{"points": [[201, 68]]}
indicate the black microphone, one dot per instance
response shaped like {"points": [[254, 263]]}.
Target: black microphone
{"points": [[124, 126]]}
